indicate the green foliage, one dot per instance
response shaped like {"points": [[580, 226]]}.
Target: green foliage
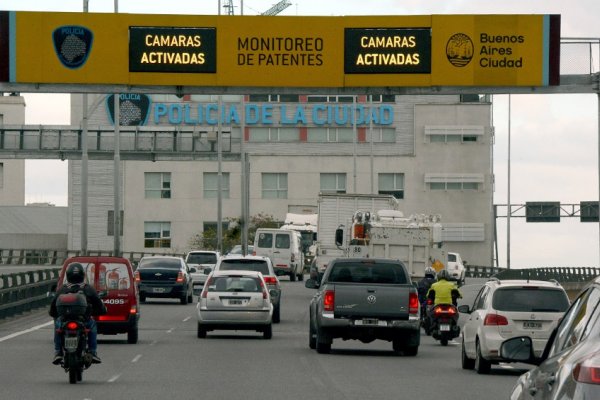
{"points": [[207, 240]]}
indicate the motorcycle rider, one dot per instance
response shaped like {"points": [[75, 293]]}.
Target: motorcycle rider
{"points": [[444, 291], [75, 283], [424, 284]]}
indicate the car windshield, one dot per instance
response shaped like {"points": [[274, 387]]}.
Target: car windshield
{"points": [[367, 273], [201, 258], [168, 263], [234, 284], [451, 257], [530, 299], [245, 265]]}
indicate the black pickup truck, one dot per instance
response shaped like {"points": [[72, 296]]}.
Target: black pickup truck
{"points": [[365, 299]]}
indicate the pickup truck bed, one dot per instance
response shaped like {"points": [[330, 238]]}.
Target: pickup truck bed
{"points": [[365, 299]]}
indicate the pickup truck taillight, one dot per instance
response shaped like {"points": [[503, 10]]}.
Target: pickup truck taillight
{"points": [[137, 276], [328, 300], [413, 303], [179, 277]]}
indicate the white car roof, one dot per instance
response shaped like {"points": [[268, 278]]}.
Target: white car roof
{"points": [[254, 274], [524, 282]]}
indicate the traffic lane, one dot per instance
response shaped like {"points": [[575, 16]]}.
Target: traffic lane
{"points": [[169, 360]]}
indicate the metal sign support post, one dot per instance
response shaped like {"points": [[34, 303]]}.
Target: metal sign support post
{"points": [[117, 175]]}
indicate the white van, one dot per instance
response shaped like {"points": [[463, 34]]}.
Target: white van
{"points": [[284, 248]]}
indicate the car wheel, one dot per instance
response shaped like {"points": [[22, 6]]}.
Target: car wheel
{"points": [[132, 335], [184, 299], [411, 351], [482, 366], [293, 277], [466, 362], [301, 276], [323, 342], [397, 345], [268, 332], [312, 336], [277, 314], [190, 298], [201, 332]]}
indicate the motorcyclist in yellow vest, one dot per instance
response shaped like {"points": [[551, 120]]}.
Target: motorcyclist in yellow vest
{"points": [[444, 291]]}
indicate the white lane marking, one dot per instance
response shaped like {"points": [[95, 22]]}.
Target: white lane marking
{"points": [[136, 358], [171, 330], [35, 328], [114, 378], [187, 319]]}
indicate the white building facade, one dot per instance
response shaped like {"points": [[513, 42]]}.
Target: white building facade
{"points": [[12, 172], [433, 153]]}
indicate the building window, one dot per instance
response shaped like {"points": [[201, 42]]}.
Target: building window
{"points": [[381, 135], [454, 134], [157, 185], [157, 234], [382, 98], [323, 135], [454, 181], [330, 99], [274, 98], [274, 186], [331, 182], [391, 184], [211, 185], [110, 231], [274, 135]]}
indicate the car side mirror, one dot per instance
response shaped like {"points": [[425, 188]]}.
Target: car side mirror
{"points": [[207, 271], [465, 309], [311, 284], [518, 349]]}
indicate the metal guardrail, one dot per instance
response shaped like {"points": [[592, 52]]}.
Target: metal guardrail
{"points": [[560, 274], [24, 291]]}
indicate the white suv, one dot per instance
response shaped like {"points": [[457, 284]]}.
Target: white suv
{"points": [[201, 260], [506, 309]]}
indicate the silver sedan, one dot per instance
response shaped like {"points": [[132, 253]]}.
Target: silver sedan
{"points": [[235, 300]]}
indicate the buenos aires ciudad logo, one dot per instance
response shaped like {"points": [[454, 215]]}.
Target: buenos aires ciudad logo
{"points": [[459, 50], [72, 44]]}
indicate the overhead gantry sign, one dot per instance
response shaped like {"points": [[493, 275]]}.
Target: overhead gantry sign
{"points": [[264, 51]]}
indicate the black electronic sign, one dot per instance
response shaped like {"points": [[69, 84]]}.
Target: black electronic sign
{"points": [[174, 49], [387, 51], [542, 211], [588, 211]]}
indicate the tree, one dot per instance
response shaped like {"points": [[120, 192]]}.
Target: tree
{"points": [[232, 235]]}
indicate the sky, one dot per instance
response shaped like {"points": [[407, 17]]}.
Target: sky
{"points": [[553, 138]]}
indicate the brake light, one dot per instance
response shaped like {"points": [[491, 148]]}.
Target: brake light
{"points": [[72, 325], [429, 302], [270, 280], [413, 303], [264, 291], [444, 310], [204, 293], [179, 277], [329, 300], [137, 276], [495, 319], [133, 310], [588, 370]]}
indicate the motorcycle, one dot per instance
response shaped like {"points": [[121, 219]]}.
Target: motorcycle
{"points": [[74, 335], [444, 322]]}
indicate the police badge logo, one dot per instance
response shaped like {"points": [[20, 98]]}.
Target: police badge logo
{"points": [[72, 45], [134, 109]]}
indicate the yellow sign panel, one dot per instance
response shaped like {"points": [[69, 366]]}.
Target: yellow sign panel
{"points": [[266, 51]]}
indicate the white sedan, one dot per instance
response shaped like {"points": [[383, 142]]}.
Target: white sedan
{"points": [[226, 294]]}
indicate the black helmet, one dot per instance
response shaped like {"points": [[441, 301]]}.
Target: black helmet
{"points": [[430, 272], [75, 273], [443, 274]]}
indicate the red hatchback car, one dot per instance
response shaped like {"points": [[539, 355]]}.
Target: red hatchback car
{"points": [[114, 281]]}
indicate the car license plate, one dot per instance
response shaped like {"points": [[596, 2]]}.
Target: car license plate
{"points": [[444, 328], [71, 343], [532, 325], [236, 302], [370, 322], [158, 290]]}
